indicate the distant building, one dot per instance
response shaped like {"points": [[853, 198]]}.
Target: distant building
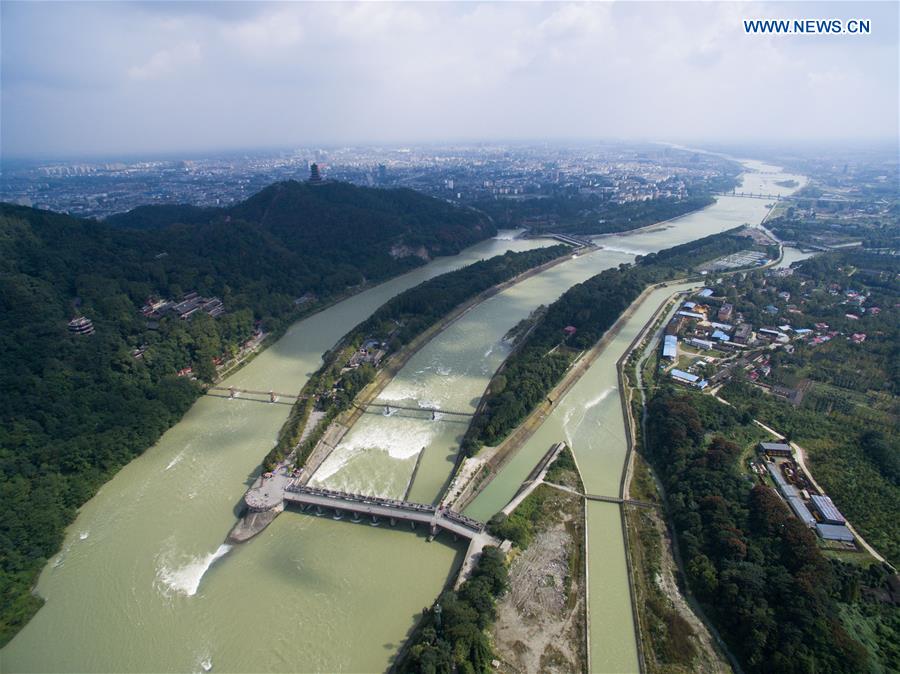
{"points": [[835, 532], [688, 379], [704, 344], [742, 333], [570, 330], [81, 326], [670, 347], [691, 314], [827, 510], [725, 312], [772, 335], [801, 511], [720, 336], [193, 303], [706, 292], [314, 175], [776, 449]]}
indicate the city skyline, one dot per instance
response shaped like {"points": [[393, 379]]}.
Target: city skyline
{"points": [[168, 78]]}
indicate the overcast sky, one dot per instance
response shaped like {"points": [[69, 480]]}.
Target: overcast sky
{"points": [[121, 78]]}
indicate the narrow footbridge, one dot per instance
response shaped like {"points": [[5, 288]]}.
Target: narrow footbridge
{"points": [[391, 510], [389, 406], [233, 392], [624, 501]]}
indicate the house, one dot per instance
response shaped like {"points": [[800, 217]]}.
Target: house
{"points": [[704, 344], [725, 312]]}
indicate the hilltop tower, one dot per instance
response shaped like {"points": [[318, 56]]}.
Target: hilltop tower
{"points": [[314, 175]]}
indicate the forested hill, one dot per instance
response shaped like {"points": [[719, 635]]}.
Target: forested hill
{"points": [[75, 408], [338, 217]]}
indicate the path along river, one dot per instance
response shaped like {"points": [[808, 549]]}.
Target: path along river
{"points": [[311, 594]]}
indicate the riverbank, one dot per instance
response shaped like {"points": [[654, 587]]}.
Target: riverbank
{"points": [[672, 638]]}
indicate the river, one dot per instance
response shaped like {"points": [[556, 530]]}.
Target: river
{"points": [[310, 594]]}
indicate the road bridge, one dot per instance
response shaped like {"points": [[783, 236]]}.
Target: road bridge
{"points": [[750, 195], [571, 240], [379, 508]]}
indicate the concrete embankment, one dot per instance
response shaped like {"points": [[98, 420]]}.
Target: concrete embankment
{"points": [[253, 523]]}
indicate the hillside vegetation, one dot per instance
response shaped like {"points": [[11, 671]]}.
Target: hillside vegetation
{"points": [[76, 408]]}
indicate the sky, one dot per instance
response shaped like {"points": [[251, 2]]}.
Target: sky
{"points": [[115, 78]]}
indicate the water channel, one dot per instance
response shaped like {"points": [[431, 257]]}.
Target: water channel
{"points": [[310, 594]]}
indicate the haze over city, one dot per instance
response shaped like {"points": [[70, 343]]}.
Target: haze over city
{"points": [[112, 79]]}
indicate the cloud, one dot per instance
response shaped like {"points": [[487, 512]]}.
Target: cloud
{"points": [[232, 74], [268, 32], [166, 61]]}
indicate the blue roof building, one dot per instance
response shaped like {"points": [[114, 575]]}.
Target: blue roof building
{"points": [[683, 377], [721, 336], [706, 292], [827, 510], [670, 347], [801, 511], [835, 532]]}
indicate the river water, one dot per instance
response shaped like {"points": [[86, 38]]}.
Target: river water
{"points": [[135, 587]]}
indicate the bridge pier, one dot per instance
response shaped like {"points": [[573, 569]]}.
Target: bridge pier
{"points": [[231, 392], [355, 517], [434, 530], [375, 521], [319, 510], [338, 514], [271, 396], [412, 525], [393, 521]]}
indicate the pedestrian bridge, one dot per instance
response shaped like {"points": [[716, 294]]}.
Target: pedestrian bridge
{"points": [[389, 406], [378, 508]]}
